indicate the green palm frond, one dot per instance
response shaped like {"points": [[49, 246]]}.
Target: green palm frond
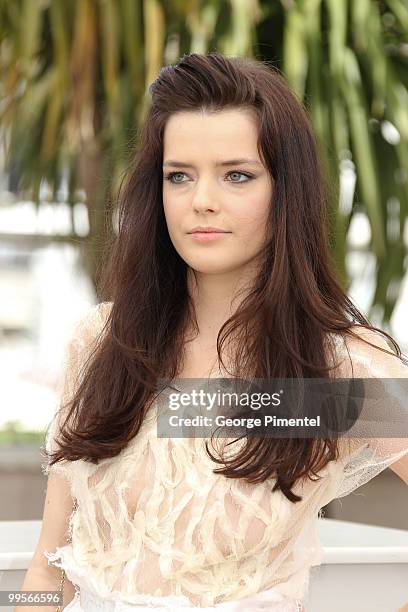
{"points": [[74, 77]]}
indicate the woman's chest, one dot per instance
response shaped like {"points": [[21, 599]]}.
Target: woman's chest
{"points": [[167, 496]]}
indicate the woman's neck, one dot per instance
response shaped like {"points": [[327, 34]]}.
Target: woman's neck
{"points": [[215, 298]]}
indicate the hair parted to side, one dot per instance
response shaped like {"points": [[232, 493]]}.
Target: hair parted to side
{"points": [[283, 323]]}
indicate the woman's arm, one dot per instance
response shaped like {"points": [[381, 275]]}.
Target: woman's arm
{"points": [[57, 511], [400, 467]]}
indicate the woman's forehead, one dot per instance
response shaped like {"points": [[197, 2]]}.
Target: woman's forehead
{"points": [[226, 134]]}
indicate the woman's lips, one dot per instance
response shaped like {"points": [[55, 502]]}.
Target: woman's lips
{"points": [[208, 236]]}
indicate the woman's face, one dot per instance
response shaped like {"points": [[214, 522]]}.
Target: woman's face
{"points": [[203, 186]]}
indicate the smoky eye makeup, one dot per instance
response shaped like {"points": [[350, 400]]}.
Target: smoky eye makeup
{"points": [[248, 177]]}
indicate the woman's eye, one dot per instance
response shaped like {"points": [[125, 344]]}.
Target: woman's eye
{"points": [[171, 177], [247, 176]]}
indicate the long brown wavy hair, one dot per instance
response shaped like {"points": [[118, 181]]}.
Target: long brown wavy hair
{"points": [[282, 324]]}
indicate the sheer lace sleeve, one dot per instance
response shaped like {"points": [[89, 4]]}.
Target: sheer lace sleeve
{"points": [[85, 333], [372, 445]]}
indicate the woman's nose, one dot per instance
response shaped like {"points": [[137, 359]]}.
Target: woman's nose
{"points": [[204, 199]]}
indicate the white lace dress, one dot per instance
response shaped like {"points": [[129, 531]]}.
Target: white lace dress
{"points": [[156, 528]]}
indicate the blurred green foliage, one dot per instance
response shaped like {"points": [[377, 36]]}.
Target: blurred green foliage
{"points": [[74, 77], [12, 434]]}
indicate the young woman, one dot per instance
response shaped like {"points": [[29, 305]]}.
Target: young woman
{"points": [[169, 523]]}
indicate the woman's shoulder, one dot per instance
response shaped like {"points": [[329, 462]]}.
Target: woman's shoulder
{"points": [[356, 336], [368, 353], [89, 325], [100, 312]]}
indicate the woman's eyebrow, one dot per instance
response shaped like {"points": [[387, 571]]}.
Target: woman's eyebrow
{"points": [[229, 162]]}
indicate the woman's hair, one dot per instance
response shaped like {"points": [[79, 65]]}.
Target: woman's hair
{"points": [[281, 326]]}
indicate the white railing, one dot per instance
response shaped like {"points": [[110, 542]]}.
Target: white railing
{"points": [[364, 568]]}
